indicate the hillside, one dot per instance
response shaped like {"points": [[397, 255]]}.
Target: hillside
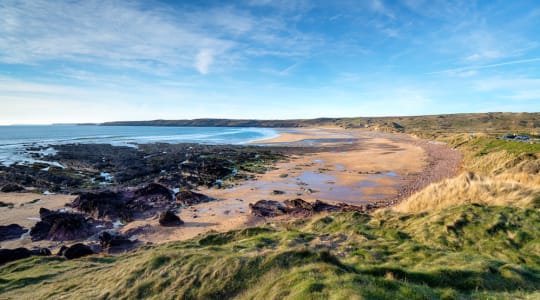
{"points": [[467, 251], [475, 236], [432, 125]]}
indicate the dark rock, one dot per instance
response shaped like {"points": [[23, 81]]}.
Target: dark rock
{"points": [[12, 187], [77, 250], [7, 255], [115, 242], [102, 204], [320, 206], [10, 232], [299, 207], [126, 204], [154, 191], [267, 208], [62, 250], [169, 218], [4, 204], [278, 192], [298, 204], [187, 198], [60, 226]]}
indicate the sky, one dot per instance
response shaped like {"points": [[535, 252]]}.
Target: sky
{"points": [[95, 61]]}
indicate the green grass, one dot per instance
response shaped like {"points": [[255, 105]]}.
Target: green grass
{"points": [[458, 253], [490, 145], [487, 155]]}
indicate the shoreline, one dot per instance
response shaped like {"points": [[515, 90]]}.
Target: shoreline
{"points": [[351, 166]]}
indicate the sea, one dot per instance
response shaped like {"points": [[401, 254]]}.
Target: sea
{"points": [[16, 140]]}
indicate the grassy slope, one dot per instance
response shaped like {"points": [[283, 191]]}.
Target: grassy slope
{"points": [[452, 252], [437, 125], [499, 172], [426, 126], [460, 252]]}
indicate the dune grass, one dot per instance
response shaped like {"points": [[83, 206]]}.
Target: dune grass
{"points": [[470, 188], [496, 172], [470, 251]]}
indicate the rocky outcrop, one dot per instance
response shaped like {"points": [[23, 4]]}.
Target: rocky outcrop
{"points": [[169, 219], [12, 187], [299, 207], [7, 255], [10, 232], [187, 198], [125, 204], [61, 226], [113, 242], [268, 208], [75, 251]]}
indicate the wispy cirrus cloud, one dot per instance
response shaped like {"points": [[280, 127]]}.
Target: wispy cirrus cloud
{"points": [[124, 34], [470, 69]]}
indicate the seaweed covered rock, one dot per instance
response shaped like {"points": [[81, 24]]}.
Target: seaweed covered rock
{"points": [[186, 197], [61, 226], [12, 187], [299, 207], [169, 219], [125, 204], [268, 208], [7, 255], [75, 251], [102, 204], [114, 242], [12, 231]]}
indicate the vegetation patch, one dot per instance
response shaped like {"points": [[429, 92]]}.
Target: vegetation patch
{"points": [[468, 251]]}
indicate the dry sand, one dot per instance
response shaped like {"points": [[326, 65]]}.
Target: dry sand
{"points": [[364, 167], [352, 166]]}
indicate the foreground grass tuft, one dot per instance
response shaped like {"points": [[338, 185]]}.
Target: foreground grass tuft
{"points": [[470, 251]]}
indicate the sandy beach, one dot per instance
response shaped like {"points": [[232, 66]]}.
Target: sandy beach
{"points": [[351, 166]]}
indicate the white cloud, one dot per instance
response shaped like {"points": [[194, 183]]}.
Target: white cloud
{"points": [[124, 34], [473, 68], [204, 59], [118, 34], [379, 7]]}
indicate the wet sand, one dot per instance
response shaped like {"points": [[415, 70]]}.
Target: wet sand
{"points": [[352, 166]]}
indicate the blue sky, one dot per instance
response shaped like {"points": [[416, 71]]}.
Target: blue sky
{"points": [[94, 61]]}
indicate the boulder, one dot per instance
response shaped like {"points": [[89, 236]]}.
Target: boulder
{"points": [[299, 207], [60, 226], [268, 208], [154, 191], [125, 204], [187, 198], [114, 242], [298, 204], [102, 204], [169, 219], [10, 232], [12, 187], [76, 251], [7, 255]]}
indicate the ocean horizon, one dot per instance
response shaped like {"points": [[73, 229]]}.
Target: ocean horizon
{"points": [[15, 140]]}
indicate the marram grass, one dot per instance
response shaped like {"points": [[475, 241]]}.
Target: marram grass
{"points": [[470, 251]]}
